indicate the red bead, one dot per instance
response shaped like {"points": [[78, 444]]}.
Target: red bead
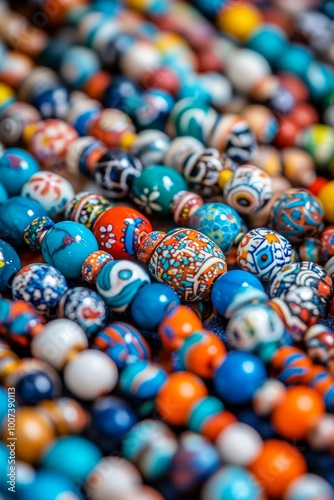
{"points": [[317, 185]]}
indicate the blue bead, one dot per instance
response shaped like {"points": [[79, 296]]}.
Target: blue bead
{"points": [[295, 59], [67, 245], [120, 91], [15, 215], [49, 485], [142, 379], [151, 303], [73, 456], [10, 264], [78, 64], [3, 194], [3, 407], [269, 41], [35, 387], [52, 102], [232, 483], [231, 285], [238, 377], [203, 410], [16, 168]]}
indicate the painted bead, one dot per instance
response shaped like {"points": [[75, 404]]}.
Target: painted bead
{"points": [[232, 483], [321, 432], [20, 322], [51, 190], [192, 118], [201, 412], [198, 261], [201, 353], [319, 342], [152, 109], [326, 198], [219, 222], [248, 190], [110, 126], [310, 250], [154, 189], [85, 208], [184, 205], [40, 285], [142, 379], [83, 306], [66, 246], [232, 135], [83, 153], [296, 214], [93, 264], [10, 264], [118, 283], [48, 484], [35, 232], [115, 171], [123, 343], [267, 397], [66, 414], [290, 365], [150, 147], [327, 243], [263, 252], [179, 149], [13, 121], [118, 231], [177, 325], [16, 168]]}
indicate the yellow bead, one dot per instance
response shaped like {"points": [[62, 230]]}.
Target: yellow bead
{"points": [[29, 131], [239, 20], [127, 140], [326, 196], [224, 177], [6, 94]]}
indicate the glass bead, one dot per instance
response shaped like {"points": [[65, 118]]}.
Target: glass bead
{"points": [[232, 136], [16, 168], [290, 365], [319, 342], [10, 264], [202, 411], [120, 92], [318, 142], [326, 198], [269, 41], [152, 110], [150, 147], [115, 171], [239, 444], [40, 285], [13, 121], [3, 194], [82, 112], [20, 322], [15, 215], [67, 245], [177, 325], [123, 343], [66, 414], [83, 306], [179, 149], [245, 69], [147, 245], [118, 283], [142, 379], [192, 118], [267, 396], [139, 59], [83, 153], [321, 433], [201, 353], [201, 170], [232, 483], [309, 250], [262, 122], [77, 65], [110, 125], [309, 487], [93, 264], [35, 232], [90, 374], [85, 208], [53, 101]]}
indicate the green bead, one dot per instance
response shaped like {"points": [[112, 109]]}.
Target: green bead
{"points": [[155, 188], [318, 140], [192, 117]]}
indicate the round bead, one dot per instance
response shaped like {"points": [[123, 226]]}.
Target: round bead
{"points": [[110, 125], [326, 198], [57, 341], [295, 59], [83, 306], [201, 353], [67, 245], [178, 395], [85, 208], [319, 342], [248, 190], [268, 396], [309, 487], [321, 433], [268, 40], [118, 283], [296, 214], [160, 298], [47, 485], [239, 444], [246, 68], [202, 411], [232, 136], [118, 231], [10, 264], [78, 64], [20, 322], [184, 205], [35, 232], [179, 149], [51, 190], [13, 121], [40, 285], [83, 153], [238, 377], [142, 379], [263, 252], [115, 171], [90, 374], [201, 170], [16, 168], [150, 146], [231, 483], [176, 326], [93, 265], [239, 21], [67, 415]]}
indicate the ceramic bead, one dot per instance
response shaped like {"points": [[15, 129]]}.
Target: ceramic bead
{"points": [[177, 325], [20, 322], [16, 168], [180, 148], [13, 121], [48, 484], [93, 264], [191, 118], [110, 126], [150, 147], [232, 135], [83, 153], [239, 444], [309, 487], [184, 205], [319, 342], [35, 232], [66, 414], [85, 208]]}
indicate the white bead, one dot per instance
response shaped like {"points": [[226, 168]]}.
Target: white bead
{"points": [[268, 396], [321, 434], [57, 340], [113, 478], [140, 59], [239, 444], [246, 68], [309, 486], [90, 374]]}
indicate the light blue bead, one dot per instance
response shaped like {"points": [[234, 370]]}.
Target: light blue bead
{"points": [[79, 64], [3, 194], [49, 485], [10, 264], [204, 409], [142, 379], [73, 456], [151, 303], [3, 406], [16, 168], [320, 80], [231, 483], [295, 59], [4, 455], [269, 41], [66, 246]]}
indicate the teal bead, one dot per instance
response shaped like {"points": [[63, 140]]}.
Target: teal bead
{"points": [[3, 194], [269, 41], [296, 59], [49, 485], [3, 407], [232, 483], [154, 189], [10, 264], [202, 411], [78, 65], [67, 245], [320, 80], [192, 117], [4, 466], [16, 168], [73, 456]]}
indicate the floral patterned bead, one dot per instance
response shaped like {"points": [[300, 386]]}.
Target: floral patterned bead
{"points": [[34, 233], [93, 264], [86, 207]]}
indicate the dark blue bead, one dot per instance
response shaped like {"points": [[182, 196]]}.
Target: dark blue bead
{"points": [[35, 387]]}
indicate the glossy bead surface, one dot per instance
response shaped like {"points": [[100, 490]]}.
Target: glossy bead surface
{"points": [[177, 325], [319, 342], [309, 487], [10, 264], [93, 264], [16, 168], [201, 170], [232, 136], [110, 125], [239, 444], [67, 245], [150, 147], [201, 353], [142, 379], [326, 198], [85, 208], [47, 485], [232, 483], [20, 322]]}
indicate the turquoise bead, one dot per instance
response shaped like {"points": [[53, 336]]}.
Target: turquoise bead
{"points": [[202, 411], [269, 41], [67, 245], [154, 189], [295, 59], [10, 264], [320, 80], [15, 215], [3, 407], [232, 483], [142, 379], [49, 485], [16, 168], [73, 456], [3, 194], [192, 117]]}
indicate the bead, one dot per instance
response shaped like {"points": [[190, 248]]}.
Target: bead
{"points": [[201, 353], [325, 196], [150, 147], [290, 365], [83, 153], [47, 485], [160, 298], [35, 232], [15, 215], [267, 397], [10, 264], [115, 171], [93, 265], [238, 377], [231, 135], [269, 41], [66, 246], [77, 65], [118, 283], [152, 110], [192, 118], [83, 306], [245, 69], [40, 285], [231, 483], [198, 261], [123, 343], [239, 21], [202, 411], [184, 205], [110, 125], [298, 167], [142, 379], [34, 382], [148, 244], [317, 140], [51, 190], [20, 322], [239, 444], [309, 250], [309, 487], [13, 121], [201, 169], [319, 342], [58, 340], [177, 325], [175, 399], [234, 290], [85, 208], [118, 231], [88, 384], [262, 122], [278, 464], [321, 433], [141, 58], [151, 445], [60, 457], [180, 148], [16, 168], [66, 414]]}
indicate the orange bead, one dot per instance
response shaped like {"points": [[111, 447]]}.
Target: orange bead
{"points": [[294, 416], [178, 324], [216, 424], [278, 464], [177, 396], [96, 85]]}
